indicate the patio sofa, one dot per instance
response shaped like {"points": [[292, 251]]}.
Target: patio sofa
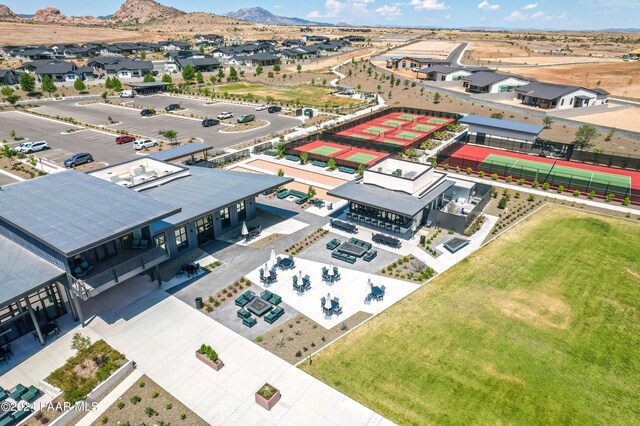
{"points": [[345, 169], [31, 395], [343, 256], [333, 244], [17, 392], [319, 163], [274, 315], [370, 255], [245, 298], [292, 158]]}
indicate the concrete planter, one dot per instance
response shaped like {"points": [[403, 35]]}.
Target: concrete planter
{"points": [[269, 403], [216, 365]]}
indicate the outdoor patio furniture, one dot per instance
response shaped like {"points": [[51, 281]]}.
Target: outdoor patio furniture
{"points": [[50, 328], [263, 279], [283, 194], [7, 420], [144, 243], [3, 394], [333, 244], [274, 315], [325, 275], [335, 306], [306, 282], [79, 271], [387, 240], [241, 301], [17, 392], [242, 313], [275, 299], [249, 322], [292, 158], [286, 263], [136, 243], [371, 254], [297, 287], [325, 310], [191, 269], [330, 206], [319, 163], [179, 272], [266, 295], [344, 257], [344, 226], [336, 274], [377, 293], [31, 395]]}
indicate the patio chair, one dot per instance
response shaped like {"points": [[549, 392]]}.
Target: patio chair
{"points": [[17, 392], [136, 243], [266, 295], [79, 271], [144, 243], [249, 322], [241, 301], [275, 299], [295, 280], [336, 274], [249, 295], [179, 272], [306, 281], [263, 279], [3, 394], [242, 313], [31, 395], [383, 288]]}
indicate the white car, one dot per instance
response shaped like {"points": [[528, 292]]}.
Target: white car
{"points": [[415, 69], [261, 107], [225, 115], [144, 144], [29, 147]]}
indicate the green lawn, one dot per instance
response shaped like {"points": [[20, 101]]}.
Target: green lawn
{"points": [[307, 95], [541, 326]]}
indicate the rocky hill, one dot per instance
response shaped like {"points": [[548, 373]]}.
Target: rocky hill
{"points": [[51, 14], [141, 11], [6, 13], [259, 15]]}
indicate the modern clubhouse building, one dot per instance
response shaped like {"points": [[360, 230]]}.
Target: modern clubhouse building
{"points": [[70, 235], [400, 196]]}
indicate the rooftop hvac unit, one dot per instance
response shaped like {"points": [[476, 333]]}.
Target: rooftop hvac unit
{"points": [[137, 170], [139, 179]]}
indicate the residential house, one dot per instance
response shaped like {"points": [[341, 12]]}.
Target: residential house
{"points": [[410, 62], [211, 40], [291, 43], [262, 59], [443, 73], [354, 38], [314, 38], [121, 67], [8, 77], [492, 82], [175, 45], [558, 96], [58, 70]]}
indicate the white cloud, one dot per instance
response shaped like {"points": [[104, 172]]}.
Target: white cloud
{"points": [[338, 9], [530, 6], [487, 6], [428, 4], [516, 16], [447, 17], [539, 15], [277, 6], [314, 14], [387, 10]]}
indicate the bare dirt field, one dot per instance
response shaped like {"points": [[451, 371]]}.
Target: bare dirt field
{"points": [[427, 48], [15, 33], [554, 59], [620, 79], [330, 61], [628, 118]]}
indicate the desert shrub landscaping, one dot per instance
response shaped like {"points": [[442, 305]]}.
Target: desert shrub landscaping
{"points": [[539, 327]]}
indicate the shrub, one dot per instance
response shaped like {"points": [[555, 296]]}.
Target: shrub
{"points": [[591, 195], [516, 195], [208, 351], [120, 405], [259, 339], [546, 186], [576, 193], [508, 178], [135, 399], [168, 406], [494, 194], [535, 184], [494, 176], [458, 169], [469, 170], [560, 188], [609, 197], [183, 416], [531, 197], [626, 201], [481, 174], [520, 181], [150, 412], [104, 420], [502, 203], [446, 167]]}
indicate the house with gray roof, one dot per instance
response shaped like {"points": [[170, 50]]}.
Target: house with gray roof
{"points": [[58, 70], [8, 77], [443, 73], [492, 82], [262, 59], [559, 96], [121, 67]]}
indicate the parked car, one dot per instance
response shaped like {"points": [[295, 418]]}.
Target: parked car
{"points": [[225, 115], [415, 69], [172, 107], [208, 122], [78, 159], [29, 147], [124, 139], [274, 108], [144, 143], [261, 107], [147, 112], [245, 118], [128, 94]]}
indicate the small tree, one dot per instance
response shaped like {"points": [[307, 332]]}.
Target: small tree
{"points": [[104, 95], [8, 153], [48, 85], [259, 69], [436, 97], [280, 148], [221, 73], [108, 83], [143, 55], [547, 121], [584, 136], [199, 77], [299, 68], [280, 172], [497, 115], [27, 82], [270, 74], [311, 192], [331, 164], [80, 343], [360, 170], [171, 135], [233, 74], [148, 78], [201, 49], [188, 73], [117, 85], [612, 132], [304, 158], [166, 78], [276, 68], [79, 85]]}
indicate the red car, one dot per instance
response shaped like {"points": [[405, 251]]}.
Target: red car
{"points": [[124, 139]]}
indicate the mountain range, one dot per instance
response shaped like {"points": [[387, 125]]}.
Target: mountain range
{"points": [[260, 15]]}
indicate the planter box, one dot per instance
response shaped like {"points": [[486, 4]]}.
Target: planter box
{"points": [[268, 404], [217, 365]]}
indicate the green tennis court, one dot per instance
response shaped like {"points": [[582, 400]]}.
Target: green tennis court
{"points": [[408, 117], [361, 158], [407, 135], [392, 142], [393, 123], [325, 150], [516, 166], [437, 120], [374, 130], [423, 128]]}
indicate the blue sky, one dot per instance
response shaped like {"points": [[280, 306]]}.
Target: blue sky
{"points": [[555, 14]]}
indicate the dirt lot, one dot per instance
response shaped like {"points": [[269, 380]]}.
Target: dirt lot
{"points": [[427, 48], [628, 118], [325, 64], [14, 33], [414, 97], [553, 59], [620, 79]]}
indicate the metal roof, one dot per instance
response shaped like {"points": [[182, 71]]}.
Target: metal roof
{"points": [[206, 190], [389, 200], [444, 69], [180, 151], [148, 84], [72, 212], [501, 124], [547, 91], [21, 271], [483, 78]]}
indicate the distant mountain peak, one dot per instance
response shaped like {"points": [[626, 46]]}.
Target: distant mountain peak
{"points": [[142, 11], [260, 15], [6, 13]]}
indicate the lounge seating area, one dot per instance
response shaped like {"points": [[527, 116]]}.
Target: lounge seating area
{"points": [[344, 226], [47, 329], [344, 257], [302, 197], [246, 317], [272, 298], [245, 298], [19, 396], [370, 255], [140, 243], [360, 243], [333, 244], [305, 285], [345, 169], [274, 315], [293, 158], [191, 269], [319, 163]]}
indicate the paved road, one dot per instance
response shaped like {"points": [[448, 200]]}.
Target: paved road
{"points": [[455, 56]]}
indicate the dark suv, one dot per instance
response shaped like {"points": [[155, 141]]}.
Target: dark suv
{"points": [[274, 108], [146, 112], [172, 107], [78, 159], [208, 122]]}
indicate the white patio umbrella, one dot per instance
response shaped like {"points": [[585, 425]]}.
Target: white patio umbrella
{"points": [[244, 231], [273, 255], [327, 303], [300, 277]]}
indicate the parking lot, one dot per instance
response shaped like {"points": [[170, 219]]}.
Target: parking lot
{"points": [[33, 128], [129, 119]]}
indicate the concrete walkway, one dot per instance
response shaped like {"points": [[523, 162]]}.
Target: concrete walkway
{"points": [[161, 333]]}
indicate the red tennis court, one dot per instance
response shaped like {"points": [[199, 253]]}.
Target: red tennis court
{"points": [[570, 175]]}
